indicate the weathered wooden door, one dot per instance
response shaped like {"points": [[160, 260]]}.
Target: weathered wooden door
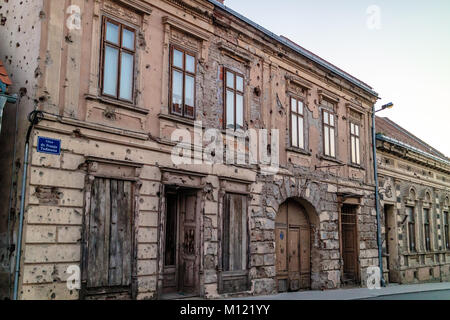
{"points": [[349, 243], [181, 256], [188, 244], [110, 242], [292, 247]]}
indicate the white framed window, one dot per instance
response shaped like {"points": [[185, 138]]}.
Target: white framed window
{"points": [[297, 124]]}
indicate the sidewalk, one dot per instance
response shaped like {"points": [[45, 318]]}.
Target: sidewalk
{"points": [[354, 294]]}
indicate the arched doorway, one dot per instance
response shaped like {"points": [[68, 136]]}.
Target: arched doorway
{"points": [[293, 247]]}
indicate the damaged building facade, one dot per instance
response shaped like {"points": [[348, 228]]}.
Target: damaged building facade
{"points": [[414, 181], [114, 81]]}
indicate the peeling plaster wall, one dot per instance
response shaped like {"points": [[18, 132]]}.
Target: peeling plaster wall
{"points": [[20, 36]]}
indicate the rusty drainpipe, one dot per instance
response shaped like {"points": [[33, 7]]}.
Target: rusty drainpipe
{"points": [[34, 117]]}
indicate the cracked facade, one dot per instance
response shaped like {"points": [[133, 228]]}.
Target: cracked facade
{"points": [[140, 227]]}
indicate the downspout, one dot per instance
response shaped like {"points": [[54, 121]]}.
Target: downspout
{"points": [[11, 190], [377, 198], [34, 117]]}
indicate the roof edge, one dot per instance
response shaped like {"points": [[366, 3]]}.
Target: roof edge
{"points": [[298, 49], [382, 137]]}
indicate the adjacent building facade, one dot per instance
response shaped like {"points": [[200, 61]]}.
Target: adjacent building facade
{"points": [[415, 189], [120, 84]]}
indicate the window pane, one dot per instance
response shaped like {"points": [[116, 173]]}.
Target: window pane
{"points": [[230, 109], [128, 39], [189, 91], [332, 120], [327, 141], [358, 155], [325, 117], [352, 128], [294, 105], [112, 33], [294, 133], [239, 111], [300, 107], [110, 71], [410, 213], [353, 149], [239, 83], [230, 80], [357, 130], [126, 77], [190, 64], [177, 91], [178, 59], [332, 145], [301, 143]]}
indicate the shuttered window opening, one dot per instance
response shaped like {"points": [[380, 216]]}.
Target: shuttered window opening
{"points": [[110, 240], [234, 276], [235, 233]]}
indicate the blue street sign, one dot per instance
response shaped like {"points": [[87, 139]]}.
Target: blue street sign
{"points": [[48, 145]]}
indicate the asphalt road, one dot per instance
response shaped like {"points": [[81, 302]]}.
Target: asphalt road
{"points": [[430, 295]]}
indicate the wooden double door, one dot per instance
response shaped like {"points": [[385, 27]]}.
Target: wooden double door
{"points": [[181, 249], [293, 248]]}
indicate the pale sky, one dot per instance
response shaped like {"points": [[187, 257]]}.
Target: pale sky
{"points": [[407, 60]]}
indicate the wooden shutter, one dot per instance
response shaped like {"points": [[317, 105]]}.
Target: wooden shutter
{"points": [[110, 234], [235, 233]]}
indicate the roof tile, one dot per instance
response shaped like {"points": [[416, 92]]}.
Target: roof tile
{"points": [[391, 129]]}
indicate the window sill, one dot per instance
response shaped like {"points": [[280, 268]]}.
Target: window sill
{"points": [[297, 150], [179, 119], [327, 158], [117, 103], [356, 166]]}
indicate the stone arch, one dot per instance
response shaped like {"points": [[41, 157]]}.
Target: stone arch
{"points": [[308, 194]]}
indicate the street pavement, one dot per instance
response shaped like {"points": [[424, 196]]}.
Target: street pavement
{"points": [[426, 291]]}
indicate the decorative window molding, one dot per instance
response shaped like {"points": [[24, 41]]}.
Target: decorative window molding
{"points": [[326, 95], [140, 6], [234, 53], [191, 30], [297, 81], [351, 108]]}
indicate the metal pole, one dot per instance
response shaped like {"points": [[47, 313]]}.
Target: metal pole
{"points": [[19, 236], [11, 189], [34, 117], [377, 198]]}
